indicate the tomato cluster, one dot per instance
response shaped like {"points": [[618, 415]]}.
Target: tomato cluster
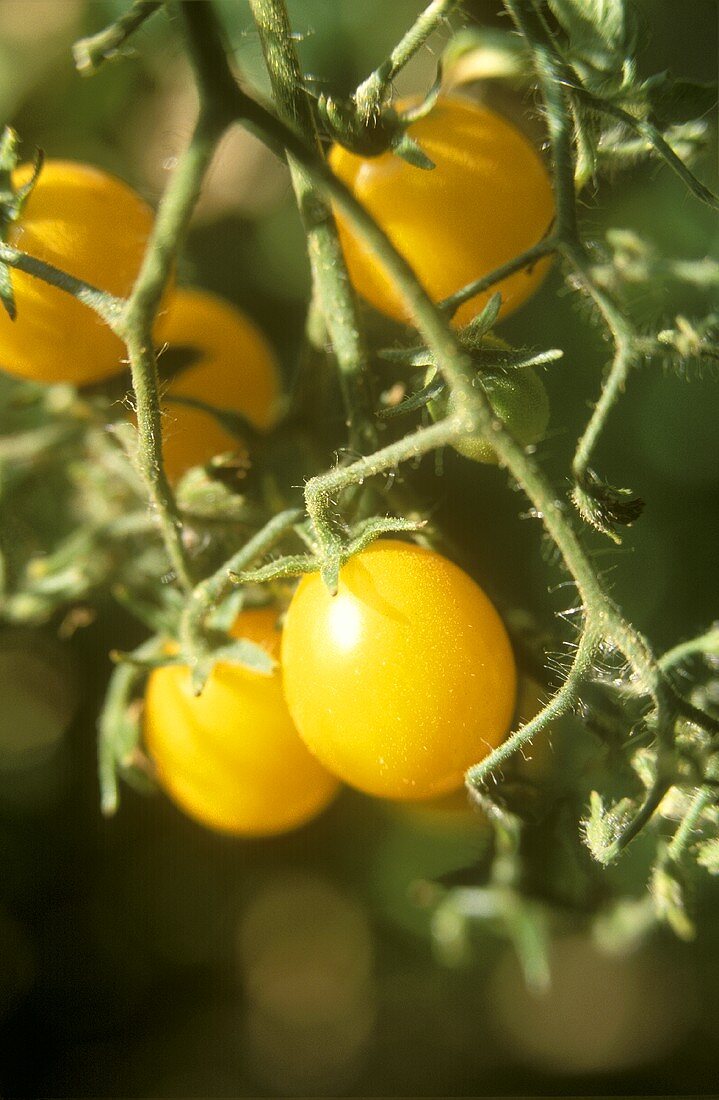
{"points": [[405, 677], [395, 685]]}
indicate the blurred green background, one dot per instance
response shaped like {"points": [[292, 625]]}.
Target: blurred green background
{"points": [[145, 956]]}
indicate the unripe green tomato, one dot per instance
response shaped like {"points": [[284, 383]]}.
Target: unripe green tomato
{"points": [[519, 400]]}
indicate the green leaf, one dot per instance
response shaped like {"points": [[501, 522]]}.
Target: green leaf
{"points": [[483, 322], [417, 400], [597, 29], [6, 292], [708, 855], [248, 654], [204, 496], [604, 825], [408, 149], [670, 902]]}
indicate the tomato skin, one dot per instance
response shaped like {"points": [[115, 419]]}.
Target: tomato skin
{"points": [[488, 199], [403, 679], [231, 757], [95, 227], [236, 371]]}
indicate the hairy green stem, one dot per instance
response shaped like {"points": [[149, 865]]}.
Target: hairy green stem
{"points": [[561, 703], [118, 730], [371, 93], [551, 75], [530, 256], [105, 305], [136, 324], [89, 53]]}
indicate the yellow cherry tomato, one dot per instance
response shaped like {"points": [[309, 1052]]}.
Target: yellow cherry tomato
{"points": [[487, 199], [93, 226], [236, 371], [404, 678], [231, 757]]}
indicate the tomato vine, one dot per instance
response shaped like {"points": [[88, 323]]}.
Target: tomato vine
{"points": [[580, 81]]}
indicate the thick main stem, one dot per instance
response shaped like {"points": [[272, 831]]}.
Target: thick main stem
{"points": [[333, 290]]}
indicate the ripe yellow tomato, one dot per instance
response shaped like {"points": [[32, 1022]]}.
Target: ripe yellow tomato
{"points": [[231, 757], [404, 678], [95, 227], [487, 199], [236, 371]]}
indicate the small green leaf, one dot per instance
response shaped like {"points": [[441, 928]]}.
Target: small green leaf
{"points": [[670, 902], [248, 654], [417, 400], [202, 495], [604, 825], [708, 855], [330, 572], [483, 322], [370, 529], [6, 292], [407, 148]]}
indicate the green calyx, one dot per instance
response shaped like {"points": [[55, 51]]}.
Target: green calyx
{"points": [[382, 130], [12, 199]]}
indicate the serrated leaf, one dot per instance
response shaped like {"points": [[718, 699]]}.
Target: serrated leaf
{"points": [[604, 825], [240, 652]]}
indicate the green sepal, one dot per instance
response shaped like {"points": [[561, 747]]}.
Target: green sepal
{"points": [[407, 148]]}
